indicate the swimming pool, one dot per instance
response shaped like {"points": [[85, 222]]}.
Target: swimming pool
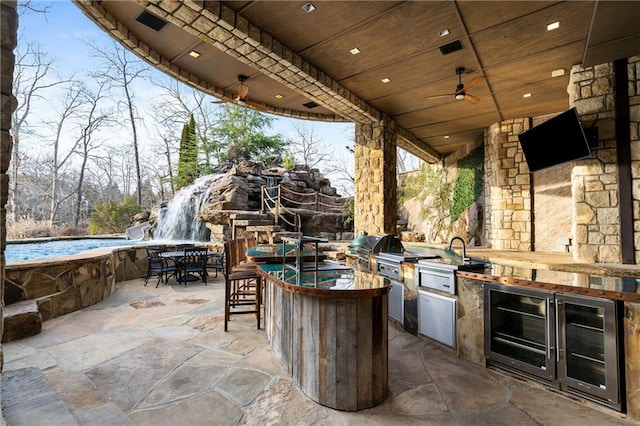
{"points": [[34, 250]]}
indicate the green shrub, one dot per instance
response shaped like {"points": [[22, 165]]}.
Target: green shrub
{"points": [[112, 218], [288, 162]]}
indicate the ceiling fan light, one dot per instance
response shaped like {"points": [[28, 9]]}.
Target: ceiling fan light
{"points": [[459, 96]]}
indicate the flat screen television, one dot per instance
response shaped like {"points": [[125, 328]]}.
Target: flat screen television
{"points": [[558, 140]]}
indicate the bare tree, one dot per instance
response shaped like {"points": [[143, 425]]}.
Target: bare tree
{"points": [[93, 119], [122, 70], [30, 82], [33, 6], [341, 171], [176, 107], [70, 106], [307, 149]]}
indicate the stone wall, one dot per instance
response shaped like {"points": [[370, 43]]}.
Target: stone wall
{"points": [[8, 41], [507, 188], [596, 215], [375, 207], [634, 115]]}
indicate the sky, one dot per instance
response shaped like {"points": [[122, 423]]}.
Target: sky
{"points": [[60, 31]]}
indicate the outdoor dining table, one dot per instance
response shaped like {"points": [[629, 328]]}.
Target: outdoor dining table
{"points": [[178, 255]]}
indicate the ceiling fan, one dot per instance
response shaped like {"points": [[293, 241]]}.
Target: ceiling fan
{"points": [[461, 89], [241, 98]]}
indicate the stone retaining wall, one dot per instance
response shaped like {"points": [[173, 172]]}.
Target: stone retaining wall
{"points": [[70, 283]]}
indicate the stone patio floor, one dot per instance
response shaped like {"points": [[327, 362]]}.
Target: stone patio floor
{"points": [[159, 356]]}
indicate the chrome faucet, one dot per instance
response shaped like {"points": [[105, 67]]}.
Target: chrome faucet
{"points": [[464, 248]]}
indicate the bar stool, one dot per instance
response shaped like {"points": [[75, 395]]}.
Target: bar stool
{"points": [[242, 285]]}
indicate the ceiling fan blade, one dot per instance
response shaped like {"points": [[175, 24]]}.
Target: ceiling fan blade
{"points": [[444, 95], [470, 98], [257, 106], [224, 100], [473, 83]]}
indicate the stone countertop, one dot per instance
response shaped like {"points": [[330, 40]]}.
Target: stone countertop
{"points": [[540, 260]]}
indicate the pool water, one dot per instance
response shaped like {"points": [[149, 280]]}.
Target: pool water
{"points": [[16, 252]]}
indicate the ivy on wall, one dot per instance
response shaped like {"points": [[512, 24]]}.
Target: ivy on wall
{"points": [[429, 182], [469, 182], [444, 200]]}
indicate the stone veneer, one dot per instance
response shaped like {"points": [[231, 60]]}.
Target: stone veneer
{"points": [[596, 215], [634, 118], [70, 283], [8, 41], [375, 206], [507, 187]]}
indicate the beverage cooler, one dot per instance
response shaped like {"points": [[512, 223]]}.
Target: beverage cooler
{"points": [[570, 342]]}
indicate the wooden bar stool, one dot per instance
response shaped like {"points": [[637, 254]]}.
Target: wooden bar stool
{"points": [[242, 290]]}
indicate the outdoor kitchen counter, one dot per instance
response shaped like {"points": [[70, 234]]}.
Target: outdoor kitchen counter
{"points": [[328, 329]]}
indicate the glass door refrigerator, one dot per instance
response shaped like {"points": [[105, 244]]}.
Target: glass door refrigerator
{"points": [[587, 356], [519, 331], [569, 342]]}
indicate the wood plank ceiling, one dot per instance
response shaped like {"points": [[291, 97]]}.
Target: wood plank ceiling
{"points": [[505, 42]]}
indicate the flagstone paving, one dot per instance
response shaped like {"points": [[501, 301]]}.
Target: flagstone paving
{"points": [[159, 356]]}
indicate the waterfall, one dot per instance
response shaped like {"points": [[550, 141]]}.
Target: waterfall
{"points": [[179, 220], [272, 184]]}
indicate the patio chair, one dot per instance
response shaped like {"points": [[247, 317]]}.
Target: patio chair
{"points": [[193, 262], [158, 265], [215, 261], [242, 286]]}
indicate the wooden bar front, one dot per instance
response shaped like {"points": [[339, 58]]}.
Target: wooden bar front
{"points": [[333, 343]]}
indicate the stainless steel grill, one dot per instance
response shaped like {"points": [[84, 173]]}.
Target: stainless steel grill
{"points": [[388, 253]]}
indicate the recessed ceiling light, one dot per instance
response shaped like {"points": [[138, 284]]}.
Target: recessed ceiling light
{"points": [[446, 136], [355, 51], [526, 95], [308, 7], [553, 26], [194, 54], [557, 73], [386, 80], [279, 96], [444, 32]]}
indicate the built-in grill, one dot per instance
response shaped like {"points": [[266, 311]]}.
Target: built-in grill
{"points": [[389, 253]]}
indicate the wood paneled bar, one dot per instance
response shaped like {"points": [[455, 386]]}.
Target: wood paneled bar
{"points": [[328, 329]]}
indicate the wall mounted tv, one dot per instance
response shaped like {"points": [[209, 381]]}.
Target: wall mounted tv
{"points": [[558, 140]]}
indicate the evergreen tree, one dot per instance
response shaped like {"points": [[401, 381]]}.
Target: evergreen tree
{"points": [[241, 130], [188, 156]]}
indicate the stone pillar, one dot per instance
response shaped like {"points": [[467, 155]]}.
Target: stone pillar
{"points": [[507, 187], [376, 205], [8, 41], [594, 181], [634, 123]]}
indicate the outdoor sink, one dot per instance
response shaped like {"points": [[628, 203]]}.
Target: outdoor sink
{"points": [[451, 264]]}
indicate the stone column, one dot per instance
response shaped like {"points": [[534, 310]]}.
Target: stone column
{"points": [[507, 187], [594, 181], [8, 41], [634, 123], [376, 205]]}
